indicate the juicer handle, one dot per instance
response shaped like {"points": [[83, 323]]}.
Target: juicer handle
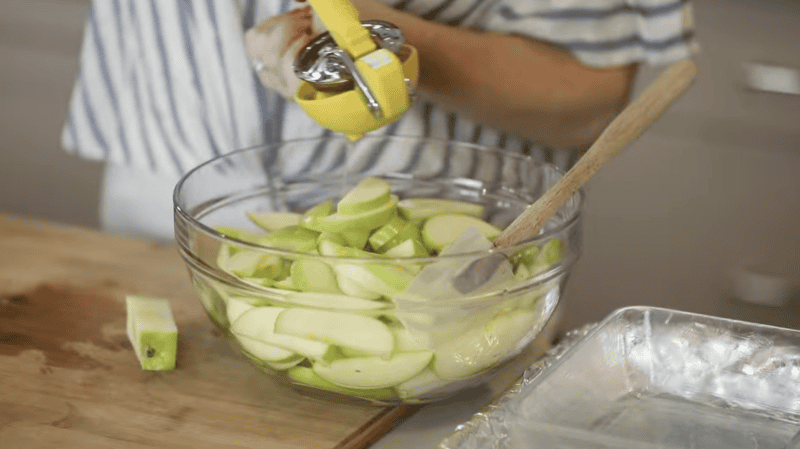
{"points": [[342, 20]]}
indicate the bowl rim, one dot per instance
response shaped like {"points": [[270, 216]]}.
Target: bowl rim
{"points": [[544, 236]]}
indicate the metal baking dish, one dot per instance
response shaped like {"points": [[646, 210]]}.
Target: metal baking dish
{"points": [[652, 378]]}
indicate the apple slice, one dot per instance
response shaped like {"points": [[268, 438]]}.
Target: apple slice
{"points": [[258, 323], [264, 351], [383, 235], [356, 238], [235, 306], [369, 194], [320, 210], [331, 237], [374, 372], [307, 376], [285, 284], [284, 365], [349, 353], [249, 263], [213, 298], [334, 301], [152, 332], [259, 282], [357, 332], [405, 341], [311, 275], [441, 230], [385, 280], [245, 235], [273, 221], [481, 348], [551, 252], [412, 230], [424, 208], [526, 256], [292, 238], [223, 256], [408, 248], [329, 247], [352, 287], [367, 220]]}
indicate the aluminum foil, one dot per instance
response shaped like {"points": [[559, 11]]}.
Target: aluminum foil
{"points": [[651, 378]]}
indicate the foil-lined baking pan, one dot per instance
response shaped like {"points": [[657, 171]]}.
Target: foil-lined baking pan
{"points": [[651, 378]]}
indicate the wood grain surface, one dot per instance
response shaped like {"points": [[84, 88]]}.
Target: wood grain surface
{"points": [[69, 377]]}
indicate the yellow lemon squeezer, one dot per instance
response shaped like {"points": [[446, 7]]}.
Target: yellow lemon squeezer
{"points": [[358, 76]]}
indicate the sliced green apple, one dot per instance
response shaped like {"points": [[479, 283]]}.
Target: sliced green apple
{"points": [[258, 281], [356, 238], [383, 279], [307, 376], [235, 306], [283, 365], [481, 348], [273, 221], [352, 287], [331, 237], [320, 210], [212, 299], [551, 252], [374, 372], [369, 194], [245, 235], [333, 249], [343, 329], [333, 301], [423, 208], [285, 284], [350, 353], [250, 263], [292, 238], [424, 383], [367, 220], [441, 230], [312, 275], [223, 256], [264, 351], [383, 235], [152, 332], [408, 248], [526, 256], [405, 341], [259, 323], [412, 230]]}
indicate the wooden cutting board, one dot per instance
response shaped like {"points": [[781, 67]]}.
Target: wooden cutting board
{"points": [[69, 378]]}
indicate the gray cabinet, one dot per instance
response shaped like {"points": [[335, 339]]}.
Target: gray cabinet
{"points": [[714, 186]]}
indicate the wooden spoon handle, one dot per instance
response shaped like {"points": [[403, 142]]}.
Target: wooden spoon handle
{"points": [[638, 116]]}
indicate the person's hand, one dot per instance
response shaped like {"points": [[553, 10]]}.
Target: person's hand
{"points": [[273, 45]]}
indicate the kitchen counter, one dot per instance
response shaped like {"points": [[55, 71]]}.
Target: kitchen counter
{"points": [[72, 380]]}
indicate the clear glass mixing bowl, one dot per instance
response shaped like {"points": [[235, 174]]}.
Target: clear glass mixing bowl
{"points": [[401, 343]]}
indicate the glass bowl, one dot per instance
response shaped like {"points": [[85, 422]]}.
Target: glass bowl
{"points": [[328, 314]]}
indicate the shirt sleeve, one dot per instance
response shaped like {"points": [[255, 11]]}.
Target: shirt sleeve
{"points": [[163, 85], [602, 33]]}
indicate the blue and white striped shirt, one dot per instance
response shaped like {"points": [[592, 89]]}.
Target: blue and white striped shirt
{"points": [[167, 85]]}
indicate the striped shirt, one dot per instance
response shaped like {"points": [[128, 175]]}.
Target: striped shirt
{"points": [[166, 85]]}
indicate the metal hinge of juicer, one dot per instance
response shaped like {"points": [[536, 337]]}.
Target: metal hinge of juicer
{"points": [[327, 67]]}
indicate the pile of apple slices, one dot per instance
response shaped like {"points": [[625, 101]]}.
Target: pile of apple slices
{"points": [[330, 323]]}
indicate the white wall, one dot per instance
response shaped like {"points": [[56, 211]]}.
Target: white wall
{"points": [[39, 44]]}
